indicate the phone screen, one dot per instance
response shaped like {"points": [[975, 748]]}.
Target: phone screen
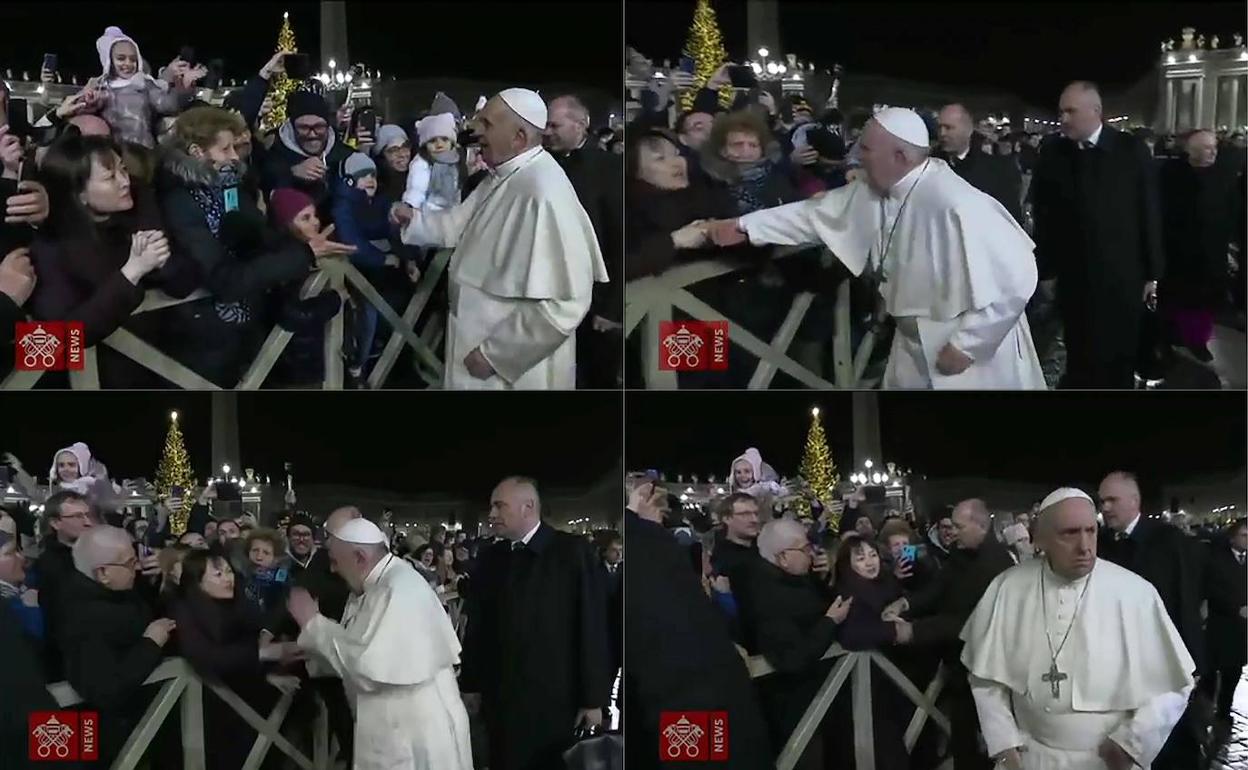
{"points": [[909, 552], [49, 62]]}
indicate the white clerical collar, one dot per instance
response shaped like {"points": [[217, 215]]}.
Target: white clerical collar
{"points": [[907, 182], [1058, 581], [505, 168], [962, 155], [1131, 527], [529, 535]]}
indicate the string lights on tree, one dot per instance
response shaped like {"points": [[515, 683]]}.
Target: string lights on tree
{"points": [[817, 468], [174, 471], [705, 45], [280, 85]]}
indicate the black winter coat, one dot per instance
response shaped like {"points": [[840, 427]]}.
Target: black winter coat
{"points": [[1226, 588], [678, 654], [598, 176], [994, 175], [1098, 232], [1173, 563], [1201, 207], [53, 570], [107, 657], [536, 646]]}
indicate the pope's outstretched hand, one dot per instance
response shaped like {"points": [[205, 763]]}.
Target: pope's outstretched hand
{"points": [[724, 232]]}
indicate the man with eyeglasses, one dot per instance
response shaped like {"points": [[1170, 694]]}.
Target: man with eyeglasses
{"points": [[793, 615], [307, 154], [67, 515], [114, 641]]}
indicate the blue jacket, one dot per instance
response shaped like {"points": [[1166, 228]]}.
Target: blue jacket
{"points": [[30, 618], [360, 220]]}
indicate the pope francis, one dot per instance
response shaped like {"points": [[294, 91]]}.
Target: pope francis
{"points": [[395, 651], [1073, 662], [525, 261], [953, 267]]}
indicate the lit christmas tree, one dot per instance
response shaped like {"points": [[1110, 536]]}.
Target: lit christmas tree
{"points": [[280, 86], [175, 471], [817, 469], [705, 45]]}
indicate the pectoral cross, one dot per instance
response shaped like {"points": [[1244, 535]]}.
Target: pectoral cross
{"points": [[1054, 678]]}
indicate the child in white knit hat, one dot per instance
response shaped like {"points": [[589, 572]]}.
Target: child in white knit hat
{"points": [[435, 176]]}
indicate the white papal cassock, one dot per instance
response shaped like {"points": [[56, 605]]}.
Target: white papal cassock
{"points": [[522, 275], [1128, 673], [956, 269], [396, 651]]}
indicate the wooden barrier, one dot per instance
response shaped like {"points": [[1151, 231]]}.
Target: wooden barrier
{"points": [[181, 686], [334, 275], [651, 300], [856, 666]]}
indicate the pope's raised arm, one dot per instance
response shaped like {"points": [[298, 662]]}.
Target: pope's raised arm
{"points": [[440, 228]]}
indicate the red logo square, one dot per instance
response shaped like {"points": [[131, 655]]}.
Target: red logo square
{"points": [[693, 346], [55, 736], [682, 736], [40, 346]]}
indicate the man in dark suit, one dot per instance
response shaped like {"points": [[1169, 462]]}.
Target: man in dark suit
{"points": [[1226, 588], [536, 655], [598, 178], [679, 655], [1170, 561], [1098, 233], [613, 577], [994, 175]]}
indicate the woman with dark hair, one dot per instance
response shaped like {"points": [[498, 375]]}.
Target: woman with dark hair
{"points": [[220, 635], [103, 243], [861, 576]]}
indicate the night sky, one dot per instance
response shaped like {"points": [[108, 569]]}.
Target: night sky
{"points": [[1009, 436], [460, 443], [523, 40], [1032, 49]]}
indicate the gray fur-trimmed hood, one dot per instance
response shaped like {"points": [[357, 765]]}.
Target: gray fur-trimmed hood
{"points": [[723, 170], [186, 171]]}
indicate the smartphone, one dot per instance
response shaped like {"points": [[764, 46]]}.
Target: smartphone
{"points": [[49, 62], [19, 120], [297, 65], [742, 76], [910, 553], [686, 64], [187, 54], [212, 80], [367, 121]]}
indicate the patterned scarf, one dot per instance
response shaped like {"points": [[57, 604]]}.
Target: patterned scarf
{"points": [[211, 200], [750, 189], [444, 178]]}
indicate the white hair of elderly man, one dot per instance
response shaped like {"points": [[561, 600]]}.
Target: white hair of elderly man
{"points": [[99, 546]]}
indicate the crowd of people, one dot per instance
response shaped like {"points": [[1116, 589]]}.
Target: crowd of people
{"points": [[710, 176], [134, 183], [735, 578], [99, 598]]}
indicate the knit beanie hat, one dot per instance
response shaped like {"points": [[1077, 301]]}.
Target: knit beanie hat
{"points": [[286, 203], [302, 103], [434, 126], [389, 135], [359, 165], [444, 103]]}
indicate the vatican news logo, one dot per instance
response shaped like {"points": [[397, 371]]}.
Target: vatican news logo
{"points": [[49, 346], [693, 346], [64, 736], [693, 736]]}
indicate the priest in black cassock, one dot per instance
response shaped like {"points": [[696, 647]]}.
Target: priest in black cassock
{"points": [[1098, 232], [535, 654], [994, 175], [1173, 563], [1201, 202], [678, 655]]}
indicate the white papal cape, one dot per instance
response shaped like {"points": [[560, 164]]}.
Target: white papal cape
{"points": [[957, 269], [522, 275], [1128, 672], [396, 651]]}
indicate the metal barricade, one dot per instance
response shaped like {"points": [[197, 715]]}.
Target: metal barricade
{"points": [[856, 666], [651, 300], [181, 686], [334, 275]]}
